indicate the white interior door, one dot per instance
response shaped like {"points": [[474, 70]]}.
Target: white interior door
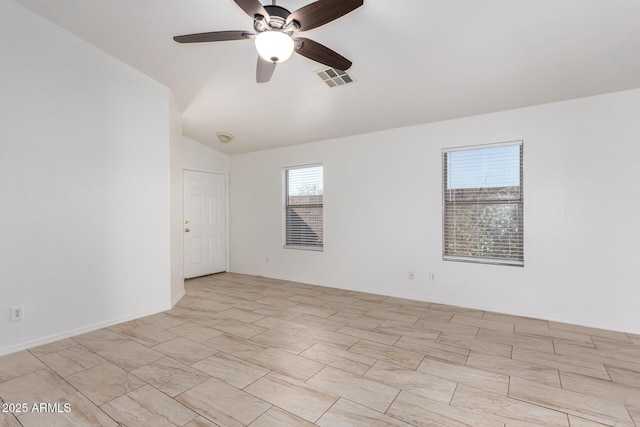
{"points": [[205, 213]]}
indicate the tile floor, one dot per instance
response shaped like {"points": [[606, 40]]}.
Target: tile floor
{"points": [[240, 350]]}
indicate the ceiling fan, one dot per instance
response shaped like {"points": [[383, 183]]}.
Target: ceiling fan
{"points": [[274, 27]]}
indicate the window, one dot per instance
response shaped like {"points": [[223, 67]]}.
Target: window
{"points": [[483, 204], [303, 207]]}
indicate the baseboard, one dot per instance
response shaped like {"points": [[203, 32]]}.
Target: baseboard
{"points": [[177, 298], [78, 331]]}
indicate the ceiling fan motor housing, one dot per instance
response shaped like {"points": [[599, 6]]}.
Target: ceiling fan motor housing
{"points": [[277, 19]]}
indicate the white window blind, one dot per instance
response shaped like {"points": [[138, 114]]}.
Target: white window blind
{"points": [[304, 227], [483, 204]]}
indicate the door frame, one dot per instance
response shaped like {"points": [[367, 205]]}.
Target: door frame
{"points": [[226, 214]]}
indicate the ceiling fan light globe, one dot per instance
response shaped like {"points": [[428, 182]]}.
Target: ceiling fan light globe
{"points": [[274, 46]]}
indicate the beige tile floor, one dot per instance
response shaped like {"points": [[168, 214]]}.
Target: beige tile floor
{"points": [[240, 350]]}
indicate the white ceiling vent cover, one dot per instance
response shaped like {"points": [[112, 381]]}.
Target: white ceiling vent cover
{"points": [[335, 78]]}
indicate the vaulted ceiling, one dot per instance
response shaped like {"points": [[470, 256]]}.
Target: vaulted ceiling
{"points": [[414, 61]]}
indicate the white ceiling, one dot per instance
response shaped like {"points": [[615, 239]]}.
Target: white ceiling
{"points": [[415, 61]]}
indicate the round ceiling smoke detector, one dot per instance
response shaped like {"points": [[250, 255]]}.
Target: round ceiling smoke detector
{"points": [[224, 137]]}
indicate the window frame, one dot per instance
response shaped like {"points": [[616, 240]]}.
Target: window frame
{"points": [[508, 261], [286, 206]]}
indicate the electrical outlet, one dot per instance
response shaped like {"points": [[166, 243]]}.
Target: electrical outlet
{"points": [[17, 313], [411, 275], [432, 276]]}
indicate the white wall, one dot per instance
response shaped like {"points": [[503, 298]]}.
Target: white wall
{"points": [[177, 189], [84, 184], [199, 157], [383, 209]]}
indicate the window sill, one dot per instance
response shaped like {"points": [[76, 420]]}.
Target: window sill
{"points": [[491, 261], [305, 248]]}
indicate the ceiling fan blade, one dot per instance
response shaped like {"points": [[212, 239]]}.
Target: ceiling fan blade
{"points": [[215, 36], [322, 54], [252, 8], [264, 70], [321, 12]]}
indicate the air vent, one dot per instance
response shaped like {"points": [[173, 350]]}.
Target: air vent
{"points": [[335, 78]]}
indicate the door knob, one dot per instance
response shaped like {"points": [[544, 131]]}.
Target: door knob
{"points": [[186, 230]]}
